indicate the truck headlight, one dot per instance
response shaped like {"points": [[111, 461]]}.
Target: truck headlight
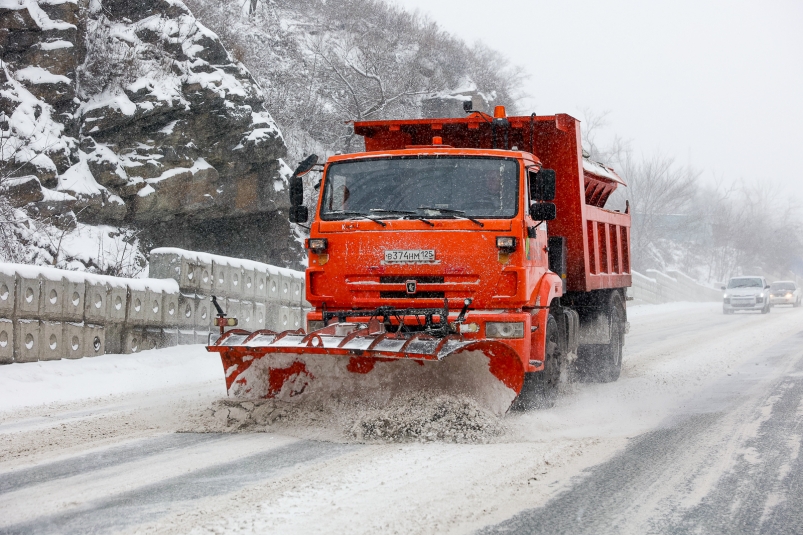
{"points": [[317, 245], [504, 329], [506, 244]]}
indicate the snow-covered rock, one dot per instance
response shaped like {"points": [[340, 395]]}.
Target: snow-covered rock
{"points": [[134, 113]]}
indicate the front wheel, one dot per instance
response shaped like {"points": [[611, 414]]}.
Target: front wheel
{"points": [[540, 389]]}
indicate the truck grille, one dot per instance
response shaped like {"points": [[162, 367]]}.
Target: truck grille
{"points": [[420, 279], [417, 295]]}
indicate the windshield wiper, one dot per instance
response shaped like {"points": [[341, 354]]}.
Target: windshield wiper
{"points": [[449, 211], [391, 212], [419, 218], [406, 214], [358, 214]]}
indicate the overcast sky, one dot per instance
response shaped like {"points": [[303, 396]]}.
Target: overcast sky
{"points": [[717, 84]]}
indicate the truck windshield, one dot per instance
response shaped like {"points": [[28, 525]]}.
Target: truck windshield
{"points": [[432, 186]]}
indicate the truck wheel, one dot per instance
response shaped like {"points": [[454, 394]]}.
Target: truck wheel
{"points": [[602, 363], [541, 388]]}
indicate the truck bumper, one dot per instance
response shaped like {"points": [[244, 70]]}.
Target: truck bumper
{"points": [[475, 327]]}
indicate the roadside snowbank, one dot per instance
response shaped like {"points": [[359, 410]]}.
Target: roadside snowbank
{"points": [[62, 381]]}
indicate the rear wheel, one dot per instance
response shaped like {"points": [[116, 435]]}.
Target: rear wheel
{"points": [[541, 388], [602, 363]]}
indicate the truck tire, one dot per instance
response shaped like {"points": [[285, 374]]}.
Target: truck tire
{"points": [[540, 389], [602, 363]]}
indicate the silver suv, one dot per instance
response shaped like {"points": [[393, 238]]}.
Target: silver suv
{"points": [[746, 293]]}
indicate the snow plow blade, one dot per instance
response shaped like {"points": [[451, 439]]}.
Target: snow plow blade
{"points": [[350, 360]]}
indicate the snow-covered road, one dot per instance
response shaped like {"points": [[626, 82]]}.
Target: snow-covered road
{"points": [[705, 404]]}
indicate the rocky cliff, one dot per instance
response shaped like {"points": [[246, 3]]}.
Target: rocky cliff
{"points": [[132, 113]]}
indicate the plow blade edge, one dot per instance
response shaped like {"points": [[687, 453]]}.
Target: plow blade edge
{"points": [[348, 360]]}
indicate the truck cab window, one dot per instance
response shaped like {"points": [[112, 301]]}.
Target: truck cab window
{"points": [[478, 187]]}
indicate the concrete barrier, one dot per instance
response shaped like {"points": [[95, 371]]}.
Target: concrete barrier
{"points": [[95, 307], [260, 316], [74, 341], [52, 299], [28, 339], [6, 341], [52, 340], [28, 295], [136, 307], [7, 286], [94, 340], [46, 313], [116, 303], [132, 341], [261, 281]]}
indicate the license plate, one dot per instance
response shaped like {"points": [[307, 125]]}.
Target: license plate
{"points": [[410, 255]]}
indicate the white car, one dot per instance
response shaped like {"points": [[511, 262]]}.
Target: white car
{"points": [[785, 293], [746, 293]]}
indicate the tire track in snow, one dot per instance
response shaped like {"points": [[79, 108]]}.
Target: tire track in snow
{"points": [[642, 488], [149, 502], [82, 464]]}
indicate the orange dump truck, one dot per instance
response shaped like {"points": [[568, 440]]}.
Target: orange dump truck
{"points": [[470, 256]]}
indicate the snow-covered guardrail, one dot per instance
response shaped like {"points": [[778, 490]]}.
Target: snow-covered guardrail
{"points": [[656, 287], [48, 314]]}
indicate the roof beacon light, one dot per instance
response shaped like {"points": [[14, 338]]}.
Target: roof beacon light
{"points": [[499, 112]]}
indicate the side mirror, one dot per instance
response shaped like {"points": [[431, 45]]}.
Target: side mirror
{"points": [[296, 191], [543, 211], [542, 185], [723, 287], [306, 165], [299, 214], [767, 287]]}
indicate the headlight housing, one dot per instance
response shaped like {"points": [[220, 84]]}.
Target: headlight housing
{"points": [[504, 329], [506, 244], [317, 245]]}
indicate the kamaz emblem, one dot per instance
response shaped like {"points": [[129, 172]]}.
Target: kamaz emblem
{"points": [[411, 286]]}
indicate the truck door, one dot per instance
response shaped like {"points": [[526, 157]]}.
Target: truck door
{"points": [[536, 237]]}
